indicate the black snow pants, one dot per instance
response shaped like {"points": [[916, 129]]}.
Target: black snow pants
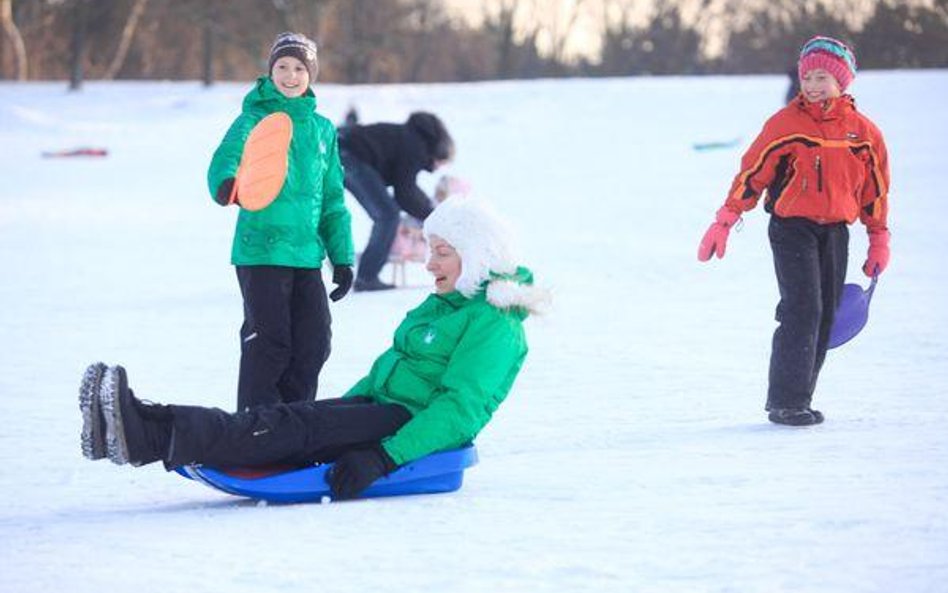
{"points": [[299, 433], [285, 337], [810, 261]]}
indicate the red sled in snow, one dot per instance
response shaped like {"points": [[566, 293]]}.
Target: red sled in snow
{"points": [[85, 151], [438, 472]]}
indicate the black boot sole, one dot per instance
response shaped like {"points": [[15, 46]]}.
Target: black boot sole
{"points": [[115, 442], [92, 437], [800, 418]]}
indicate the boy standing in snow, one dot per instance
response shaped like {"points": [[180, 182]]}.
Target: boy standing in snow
{"points": [[278, 251], [823, 165]]}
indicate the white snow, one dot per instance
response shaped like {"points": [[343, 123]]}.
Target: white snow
{"points": [[633, 453]]}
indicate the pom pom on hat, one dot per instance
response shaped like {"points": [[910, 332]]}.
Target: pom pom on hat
{"points": [[831, 55], [298, 46], [480, 237]]}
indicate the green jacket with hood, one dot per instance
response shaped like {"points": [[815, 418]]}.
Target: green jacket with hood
{"points": [[452, 362], [308, 220]]}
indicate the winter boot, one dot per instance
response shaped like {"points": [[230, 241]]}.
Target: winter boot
{"points": [[93, 423], [795, 416], [371, 285], [136, 432]]}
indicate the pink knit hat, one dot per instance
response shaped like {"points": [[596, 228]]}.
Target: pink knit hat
{"points": [[831, 55]]}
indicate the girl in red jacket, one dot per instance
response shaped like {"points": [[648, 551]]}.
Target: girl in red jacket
{"points": [[820, 165]]}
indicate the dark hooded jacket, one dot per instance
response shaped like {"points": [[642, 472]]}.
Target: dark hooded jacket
{"points": [[398, 152]]}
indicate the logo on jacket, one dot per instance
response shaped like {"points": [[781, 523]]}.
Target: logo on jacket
{"points": [[852, 135], [430, 336], [322, 147]]}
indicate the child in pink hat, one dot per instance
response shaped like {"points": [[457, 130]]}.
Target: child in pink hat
{"points": [[820, 165]]}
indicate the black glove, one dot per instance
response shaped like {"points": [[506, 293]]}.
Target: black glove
{"points": [[342, 278], [355, 471], [223, 191]]}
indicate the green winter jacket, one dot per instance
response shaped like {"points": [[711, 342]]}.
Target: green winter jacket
{"points": [[308, 220], [452, 362]]}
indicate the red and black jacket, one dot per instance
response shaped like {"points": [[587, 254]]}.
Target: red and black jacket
{"points": [[822, 161]]}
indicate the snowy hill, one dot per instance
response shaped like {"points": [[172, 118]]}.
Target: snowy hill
{"points": [[632, 455]]}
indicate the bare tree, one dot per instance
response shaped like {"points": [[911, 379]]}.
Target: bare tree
{"points": [[128, 31], [560, 25], [616, 32], [78, 45], [501, 24], [16, 40], [304, 16], [369, 39], [207, 33], [426, 23]]}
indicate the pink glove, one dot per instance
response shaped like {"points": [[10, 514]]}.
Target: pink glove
{"points": [[715, 239], [878, 257]]}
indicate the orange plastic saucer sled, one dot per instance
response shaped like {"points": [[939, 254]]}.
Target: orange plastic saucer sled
{"points": [[263, 166]]}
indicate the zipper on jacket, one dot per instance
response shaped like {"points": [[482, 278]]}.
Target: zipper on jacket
{"points": [[819, 174]]}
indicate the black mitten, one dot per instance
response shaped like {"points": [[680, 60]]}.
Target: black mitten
{"points": [[355, 471], [342, 278], [223, 192]]}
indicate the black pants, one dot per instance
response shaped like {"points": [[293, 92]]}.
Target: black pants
{"points": [[370, 190], [300, 433], [285, 336], [810, 262]]}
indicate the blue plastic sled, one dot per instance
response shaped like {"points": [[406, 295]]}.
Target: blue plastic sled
{"points": [[852, 314], [438, 472]]}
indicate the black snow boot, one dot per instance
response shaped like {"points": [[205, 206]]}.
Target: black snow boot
{"points": [[371, 285], [93, 422], [795, 416], [137, 432]]}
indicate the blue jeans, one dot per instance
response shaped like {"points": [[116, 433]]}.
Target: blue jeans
{"points": [[370, 190]]}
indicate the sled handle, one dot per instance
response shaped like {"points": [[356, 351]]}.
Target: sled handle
{"points": [[872, 286]]}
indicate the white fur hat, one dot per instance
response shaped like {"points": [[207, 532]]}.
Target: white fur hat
{"points": [[480, 237]]}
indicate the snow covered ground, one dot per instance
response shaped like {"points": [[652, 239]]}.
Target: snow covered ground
{"points": [[632, 455]]}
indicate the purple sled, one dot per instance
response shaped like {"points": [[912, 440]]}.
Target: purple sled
{"points": [[852, 313]]}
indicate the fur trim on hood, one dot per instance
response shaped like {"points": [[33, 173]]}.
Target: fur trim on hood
{"points": [[517, 291], [488, 257]]}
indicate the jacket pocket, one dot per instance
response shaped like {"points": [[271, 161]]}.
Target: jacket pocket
{"points": [[795, 187]]}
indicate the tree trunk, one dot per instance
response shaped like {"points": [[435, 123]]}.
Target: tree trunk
{"points": [[78, 45], [16, 40], [208, 67], [505, 41], [560, 29], [126, 40]]}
